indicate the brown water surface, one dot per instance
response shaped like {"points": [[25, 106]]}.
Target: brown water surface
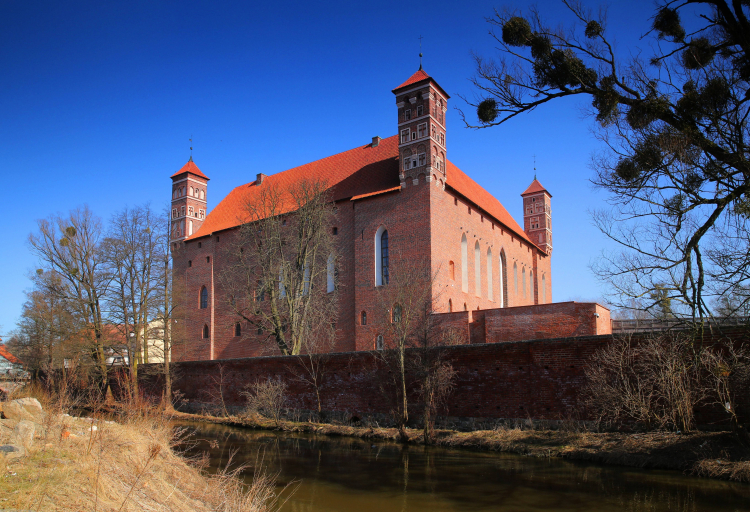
{"points": [[335, 474]]}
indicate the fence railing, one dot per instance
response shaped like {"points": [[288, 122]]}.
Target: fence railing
{"points": [[656, 324]]}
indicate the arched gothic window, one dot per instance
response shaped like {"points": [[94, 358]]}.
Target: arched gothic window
{"points": [[515, 278], [331, 271], [452, 270], [503, 280], [205, 331], [379, 342], [489, 273], [523, 281], [464, 264], [531, 285], [204, 298], [237, 329], [544, 289], [306, 280], [477, 270], [397, 311], [382, 260], [363, 318], [282, 288]]}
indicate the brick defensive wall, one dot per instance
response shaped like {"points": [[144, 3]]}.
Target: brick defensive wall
{"points": [[537, 379]]}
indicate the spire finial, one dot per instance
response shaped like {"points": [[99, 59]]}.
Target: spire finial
{"points": [[420, 52], [535, 166], [191, 147]]}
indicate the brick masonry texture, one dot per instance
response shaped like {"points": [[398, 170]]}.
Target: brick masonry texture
{"points": [[538, 379], [431, 211]]}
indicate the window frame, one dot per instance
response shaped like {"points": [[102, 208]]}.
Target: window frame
{"points": [[382, 275], [203, 298]]}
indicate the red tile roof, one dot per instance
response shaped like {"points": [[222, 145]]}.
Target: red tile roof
{"points": [[416, 77], [353, 174], [358, 171], [471, 190], [7, 355], [191, 168], [535, 187]]}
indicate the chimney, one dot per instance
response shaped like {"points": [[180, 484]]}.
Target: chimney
{"points": [[260, 178], [376, 141]]}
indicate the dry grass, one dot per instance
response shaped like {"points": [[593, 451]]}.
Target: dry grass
{"points": [[129, 465], [721, 455]]}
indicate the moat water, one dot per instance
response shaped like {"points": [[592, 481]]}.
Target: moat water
{"points": [[332, 474]]}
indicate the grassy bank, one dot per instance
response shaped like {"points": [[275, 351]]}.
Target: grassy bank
{"points": [[721, 455], [89, 464]]}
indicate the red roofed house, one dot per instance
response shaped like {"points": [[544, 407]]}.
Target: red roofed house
{"points": [[9, 364], [399, 197]]}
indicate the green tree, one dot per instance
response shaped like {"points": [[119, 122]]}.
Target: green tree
{"points": [[675, 127]]}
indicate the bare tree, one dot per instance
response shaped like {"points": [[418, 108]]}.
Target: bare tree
{"points": [[434, 374], [71, 247], [727, 369], [281, 273], [411, 338], [675, 130], [311, 365], [167, 300], [132, 251], [49, 333], [654, 382]]}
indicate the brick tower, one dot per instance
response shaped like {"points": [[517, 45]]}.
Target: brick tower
{"points": [[422, 105], [189, 186], [537, 215]]}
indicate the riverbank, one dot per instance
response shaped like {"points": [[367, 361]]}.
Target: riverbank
{"points": [[720, 455], [54, 461]]}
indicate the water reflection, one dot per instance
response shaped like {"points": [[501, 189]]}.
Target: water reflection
{"points": [[344, 474]]}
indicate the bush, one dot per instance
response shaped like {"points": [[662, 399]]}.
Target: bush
{"points": [[659, 382], [266, 398]]}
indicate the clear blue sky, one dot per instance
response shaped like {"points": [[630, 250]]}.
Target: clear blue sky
{"points": [[98, 101]]}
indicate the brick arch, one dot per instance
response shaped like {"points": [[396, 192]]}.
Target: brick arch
{"points": [[464, 264], [477, 269], [503, 274], [381, 277], [490, 289]]}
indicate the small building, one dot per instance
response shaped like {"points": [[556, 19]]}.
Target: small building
{"points": [[10, 366]]}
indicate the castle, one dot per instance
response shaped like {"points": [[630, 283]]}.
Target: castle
{"points": [[397, 199]]}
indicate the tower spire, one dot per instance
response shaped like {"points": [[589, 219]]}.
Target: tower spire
{"points": [[420, 52], [191, 148]]}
